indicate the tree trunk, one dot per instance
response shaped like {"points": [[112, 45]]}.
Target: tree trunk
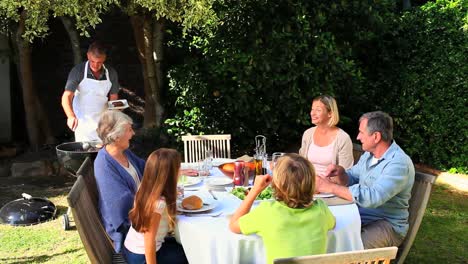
{"points": [[37, 124], [158, 46], [74, 38], [149, 116]]}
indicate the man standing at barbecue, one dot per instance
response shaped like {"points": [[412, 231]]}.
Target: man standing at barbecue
{"points": [[89, 86]]}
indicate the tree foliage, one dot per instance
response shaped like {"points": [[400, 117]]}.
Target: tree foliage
{"points": [[426, 90], [39, 12], [257, 72]]}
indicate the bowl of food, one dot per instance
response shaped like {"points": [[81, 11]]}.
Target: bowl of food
{"points": [[228, 169], [241, 192]]}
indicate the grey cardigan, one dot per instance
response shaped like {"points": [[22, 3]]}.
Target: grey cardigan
{"points": [[343, 149]]}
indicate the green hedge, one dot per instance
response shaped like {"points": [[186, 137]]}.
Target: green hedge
{"points": [[258, 70], [430, 96]]}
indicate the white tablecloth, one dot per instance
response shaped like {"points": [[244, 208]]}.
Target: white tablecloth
{"points": [[209, 240]]}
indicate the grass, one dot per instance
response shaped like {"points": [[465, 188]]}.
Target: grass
{"points": [[443, 233], [441, 238], [43, 243]]}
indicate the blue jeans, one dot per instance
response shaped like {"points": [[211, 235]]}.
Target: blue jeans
{"points": [[170, 252]]}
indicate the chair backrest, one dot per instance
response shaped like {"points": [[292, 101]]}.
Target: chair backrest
{"points": [[357, 152], [82, 200], [420, 194], [86, 170], [376, 255], [195, 146]]}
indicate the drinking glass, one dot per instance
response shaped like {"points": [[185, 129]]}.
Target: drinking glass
{"points": [[274, 158], [209, 159], [266, 165], [180, 187], [203, 168]]}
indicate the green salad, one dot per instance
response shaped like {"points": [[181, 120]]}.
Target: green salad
{"points": [[240, 192]]}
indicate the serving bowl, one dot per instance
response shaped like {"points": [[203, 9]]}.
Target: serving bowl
{"points": [[228, 169]]}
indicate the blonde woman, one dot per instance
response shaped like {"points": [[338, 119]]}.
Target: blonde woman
{"points": [[154, 213], [325, 143], [294, 224]]}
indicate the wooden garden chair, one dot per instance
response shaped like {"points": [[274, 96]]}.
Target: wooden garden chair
{"points": [[82, 200], [195, 146], [368, 256], [420, 194]]}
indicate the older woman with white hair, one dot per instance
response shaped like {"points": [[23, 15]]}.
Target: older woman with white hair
{"points": [[325, 143], [118, 173]]}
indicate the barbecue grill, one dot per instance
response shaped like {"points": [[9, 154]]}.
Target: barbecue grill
{"points": [[71, 155]]}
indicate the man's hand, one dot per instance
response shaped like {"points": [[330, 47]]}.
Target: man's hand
{"points": [[336, 174], [334, 170], [322, 185], [72, 123]]}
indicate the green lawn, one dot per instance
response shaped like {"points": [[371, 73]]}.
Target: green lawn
{"points": [[441, 238], [444, 230], [43, 243]]}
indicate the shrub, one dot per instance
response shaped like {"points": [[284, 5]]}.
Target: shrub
{"points": [[257, 75], [428, 84]]}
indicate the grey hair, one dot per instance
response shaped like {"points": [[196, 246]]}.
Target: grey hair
{"points": [[111, 125], [379, 121]]}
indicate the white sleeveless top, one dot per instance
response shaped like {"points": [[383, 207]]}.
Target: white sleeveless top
{"points": [[321, 157], [135, 241]]}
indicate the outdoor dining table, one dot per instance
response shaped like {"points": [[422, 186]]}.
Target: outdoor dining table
{"points": [[206, 237]]}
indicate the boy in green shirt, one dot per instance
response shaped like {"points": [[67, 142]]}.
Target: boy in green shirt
{"points": [[294, 224]]}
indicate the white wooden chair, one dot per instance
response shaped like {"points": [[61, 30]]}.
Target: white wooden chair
{"points": [[195, 146], [368, 256]]}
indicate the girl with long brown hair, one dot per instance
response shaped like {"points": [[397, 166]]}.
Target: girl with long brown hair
{"points": [[154, 212]]}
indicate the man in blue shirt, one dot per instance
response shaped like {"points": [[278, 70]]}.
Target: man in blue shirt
{"points": [[380, 183]]}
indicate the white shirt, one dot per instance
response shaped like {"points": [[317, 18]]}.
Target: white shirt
{"points": [[131, 170], [135, 241]]}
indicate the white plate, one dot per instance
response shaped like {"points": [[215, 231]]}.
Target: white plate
{"points": [[323, 195], [218, 161], [218, 181], [206, 207], [189, 181], [111, 106]]}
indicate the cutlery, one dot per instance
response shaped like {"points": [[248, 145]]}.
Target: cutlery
{"points": [[211, 192]]}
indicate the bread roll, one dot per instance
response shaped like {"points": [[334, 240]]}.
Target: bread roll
{"points": [[192, 202]]}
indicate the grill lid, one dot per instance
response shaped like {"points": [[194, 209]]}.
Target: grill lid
{"points": [[27, 211]]}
